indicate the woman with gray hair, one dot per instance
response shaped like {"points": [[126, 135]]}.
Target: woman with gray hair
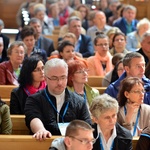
{"points": [[109, 134], [134, 38]]}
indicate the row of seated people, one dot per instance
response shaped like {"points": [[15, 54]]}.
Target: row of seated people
{"points": [[55, 104]]}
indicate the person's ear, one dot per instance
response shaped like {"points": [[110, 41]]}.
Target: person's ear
{"points": [[126, 68], [95, 120], [67, 141], [126, 94]]}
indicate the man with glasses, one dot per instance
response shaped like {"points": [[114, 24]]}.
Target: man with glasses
{"points": [[79, 134], [134, 66], [48, 111]]}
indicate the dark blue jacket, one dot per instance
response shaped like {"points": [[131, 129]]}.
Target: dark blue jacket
{"points": [[113, 88], [121, 24]]}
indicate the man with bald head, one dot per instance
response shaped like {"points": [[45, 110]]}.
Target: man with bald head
{"points": [[99, 25]]}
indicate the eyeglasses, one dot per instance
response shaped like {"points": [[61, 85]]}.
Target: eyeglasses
{"points": [[138, 92], [102, 45], [84, 141], [39, 69], [56, 79], [82, 71], [17, 52]]}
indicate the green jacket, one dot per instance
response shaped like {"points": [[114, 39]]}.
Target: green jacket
{"points": [[5, 120], [90, 92]]}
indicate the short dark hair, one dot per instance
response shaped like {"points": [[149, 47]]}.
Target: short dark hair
{"points": [[99, 35], [29, 64], [28, 31], [63, 44]]}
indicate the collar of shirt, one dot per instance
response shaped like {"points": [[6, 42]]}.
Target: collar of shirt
{"points": [[107, 146]]}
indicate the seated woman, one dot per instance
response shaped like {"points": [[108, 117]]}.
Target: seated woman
{"points": [[28, 36], [5, 120], [134, 38], [133, 114], [66, 52], [109, 134], [77, 80], [117, 71], [100, 64], [31, 80], [10, 69], [119, 44]]}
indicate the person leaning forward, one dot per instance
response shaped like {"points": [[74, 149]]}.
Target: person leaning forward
{"points": [[54, 104]]}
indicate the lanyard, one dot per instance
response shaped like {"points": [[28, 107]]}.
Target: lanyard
{"points": [[136, 122], [27, 91], [101, 144], [85, 96], [143, 134], [66, 108]]}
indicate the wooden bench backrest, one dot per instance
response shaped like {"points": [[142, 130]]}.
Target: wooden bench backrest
{"points": [[24, 142], [19, 125], [5, 91], [53, 37], [95, 81], [100, 89]]}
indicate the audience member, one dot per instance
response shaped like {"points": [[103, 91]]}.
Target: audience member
{"points": [[10, 69], [109, 134], [5, 40], [28, 36], [84, 10], [99, 25], [65, 28], [64, 11], [100, 64], [41, 41], [133, 114], [127, 23], [111, 34], [145, 46], [46, 22], [48, 108], [5, 120], [31, 80], [144, 140], [134, 66], [119, 44], [78, 134], [116, 72], [84, 44], [2, 57], [77, 81], [134, 38], [66, 52]]}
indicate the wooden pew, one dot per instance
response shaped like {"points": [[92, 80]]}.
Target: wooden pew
{"points": [[53, 37], [100, 89], [5, 91], [19, 125], [7, 101], [95, 81], [24, 142]]}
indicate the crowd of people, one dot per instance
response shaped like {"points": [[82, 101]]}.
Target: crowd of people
{"points": [[52, 91]]}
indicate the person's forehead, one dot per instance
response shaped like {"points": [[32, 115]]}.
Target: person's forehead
{"points": [[73, 22], [136, 61]]}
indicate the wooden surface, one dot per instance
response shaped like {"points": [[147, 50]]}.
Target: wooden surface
{"points": [[95, 81]]}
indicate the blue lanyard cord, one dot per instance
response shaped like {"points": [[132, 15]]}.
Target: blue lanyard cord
{"points": [[136, 122], [146, 135], [66, 108], [85, 96], [101, 144]]}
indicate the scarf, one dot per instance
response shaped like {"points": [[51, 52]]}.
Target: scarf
{"points": [[29, 89], [98, 64]]}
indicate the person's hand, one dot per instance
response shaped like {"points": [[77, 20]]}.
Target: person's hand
{"points": [[42, 135]]}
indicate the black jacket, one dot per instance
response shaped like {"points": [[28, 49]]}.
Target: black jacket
{"points": [[17, 101], [123, 140], [38, 106]]}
